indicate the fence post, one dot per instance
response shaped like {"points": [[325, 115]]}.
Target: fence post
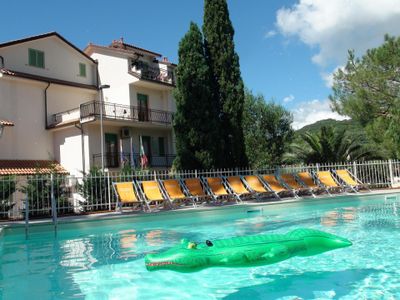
{"points": [[108, 190], [195, 173], [355, 169], [53, 202], [26, 216], [317, 166], [391, 172]]}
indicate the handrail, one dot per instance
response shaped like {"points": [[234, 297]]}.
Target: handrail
{"points": [[113, 160], [125, 112]]}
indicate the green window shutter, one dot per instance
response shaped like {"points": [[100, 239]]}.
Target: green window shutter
{"points": [[111, 138], [161, 146], [40, 59], [32, 57], [82, 70]]}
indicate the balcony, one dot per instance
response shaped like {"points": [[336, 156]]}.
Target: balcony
{"points": [[116, 160], [158, 74], [90, 111]]}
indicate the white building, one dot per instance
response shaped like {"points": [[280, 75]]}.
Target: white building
{"points": [[138, 105], [49, 92]]}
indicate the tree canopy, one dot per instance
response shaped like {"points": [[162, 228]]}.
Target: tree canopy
{"points": [[328, 146], [196, 120], [368, 90], [267, 131], [228, 88]]}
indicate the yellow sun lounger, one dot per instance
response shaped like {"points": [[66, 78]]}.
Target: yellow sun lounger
{"points": [[290, 181], [276, 187], [152, 194], [125, 194], [238, 188], [350, 180], [327, 180], [195, 188], [218, 190], [175, 193], [254, 184], [308, 180]]}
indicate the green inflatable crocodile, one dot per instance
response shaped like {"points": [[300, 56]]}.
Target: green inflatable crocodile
{"points": [[246, 251]]}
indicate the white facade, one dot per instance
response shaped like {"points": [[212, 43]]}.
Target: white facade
{"points": [[27, 91], [56, 110], [127, 83]]}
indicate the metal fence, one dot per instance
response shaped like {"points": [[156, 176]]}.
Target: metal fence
{"points": [[43, 196]]}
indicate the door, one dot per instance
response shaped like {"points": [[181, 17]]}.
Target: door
{"points": [[143, 104], [111, 151]]}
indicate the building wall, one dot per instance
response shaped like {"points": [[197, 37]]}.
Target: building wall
{"points": [[93, 131], [61, 60], [22, 102], [113, 71], [61, 98], [71, 150], [157, 99]]}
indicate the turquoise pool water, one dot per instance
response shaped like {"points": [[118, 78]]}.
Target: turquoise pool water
{"points": [[104, 259]]}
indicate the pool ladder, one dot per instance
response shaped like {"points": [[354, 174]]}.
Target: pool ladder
{"points": [[53, 211]]}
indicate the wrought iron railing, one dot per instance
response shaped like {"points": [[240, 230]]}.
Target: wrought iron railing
{"points": [[145, 71], [93, 192], [116, 160], [116, 111]]}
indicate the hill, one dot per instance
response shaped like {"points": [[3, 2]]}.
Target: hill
{"points": [[350, 126]]}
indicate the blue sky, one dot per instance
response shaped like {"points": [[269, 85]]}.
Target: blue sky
{"points": [[287, 48]]}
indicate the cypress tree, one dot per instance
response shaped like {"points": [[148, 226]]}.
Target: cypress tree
{"points": [[228, 88], [196, 118]]}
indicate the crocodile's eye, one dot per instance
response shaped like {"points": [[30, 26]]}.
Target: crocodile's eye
{"points": [[192, 245], [209, 243]]}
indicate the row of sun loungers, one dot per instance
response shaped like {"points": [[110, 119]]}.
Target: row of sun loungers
{"points": [[174, 193]]}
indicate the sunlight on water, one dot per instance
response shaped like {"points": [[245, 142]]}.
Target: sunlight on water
{"points": [[105, 261]]}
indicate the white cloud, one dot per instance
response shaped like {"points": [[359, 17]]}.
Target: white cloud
{"points": [[328, 76], [336, 26], [288, 99], [312, 111], [270, 34]]}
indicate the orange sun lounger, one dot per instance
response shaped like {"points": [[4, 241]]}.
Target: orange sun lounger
{"points": [[125, 194], [275, 185], [238, 188], [290, 181], [256, 185], [175, 193]]}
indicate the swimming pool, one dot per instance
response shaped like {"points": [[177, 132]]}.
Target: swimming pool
{"points": [[104, 259]]}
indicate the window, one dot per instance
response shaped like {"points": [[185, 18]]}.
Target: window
{"points": [[82, 70], [161, 146], [36, 58]]}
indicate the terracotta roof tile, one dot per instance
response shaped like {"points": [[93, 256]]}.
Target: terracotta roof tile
{"points": [[6, 123], [30, 167]]}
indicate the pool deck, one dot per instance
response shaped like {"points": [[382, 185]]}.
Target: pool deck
{"points": [[140, 214]]}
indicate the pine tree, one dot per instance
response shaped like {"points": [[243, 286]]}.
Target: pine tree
{"points": [[228, 88], [196, 118]]}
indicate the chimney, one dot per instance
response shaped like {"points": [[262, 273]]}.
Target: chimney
{"points": [[165, 59]]}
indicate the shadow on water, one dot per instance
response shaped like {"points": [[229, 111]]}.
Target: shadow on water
{"points": [[303, 285]]}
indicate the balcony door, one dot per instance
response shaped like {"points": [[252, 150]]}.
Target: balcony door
{"points": [[111, 151], [143, 104], [146, 140]]}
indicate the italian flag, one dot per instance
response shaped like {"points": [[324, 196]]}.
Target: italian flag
{"points": [[143, 158]]}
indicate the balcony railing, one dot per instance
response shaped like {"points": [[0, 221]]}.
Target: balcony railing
{"points": [[116, 160], [91, 110], [145, 71], [116, 111]]}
